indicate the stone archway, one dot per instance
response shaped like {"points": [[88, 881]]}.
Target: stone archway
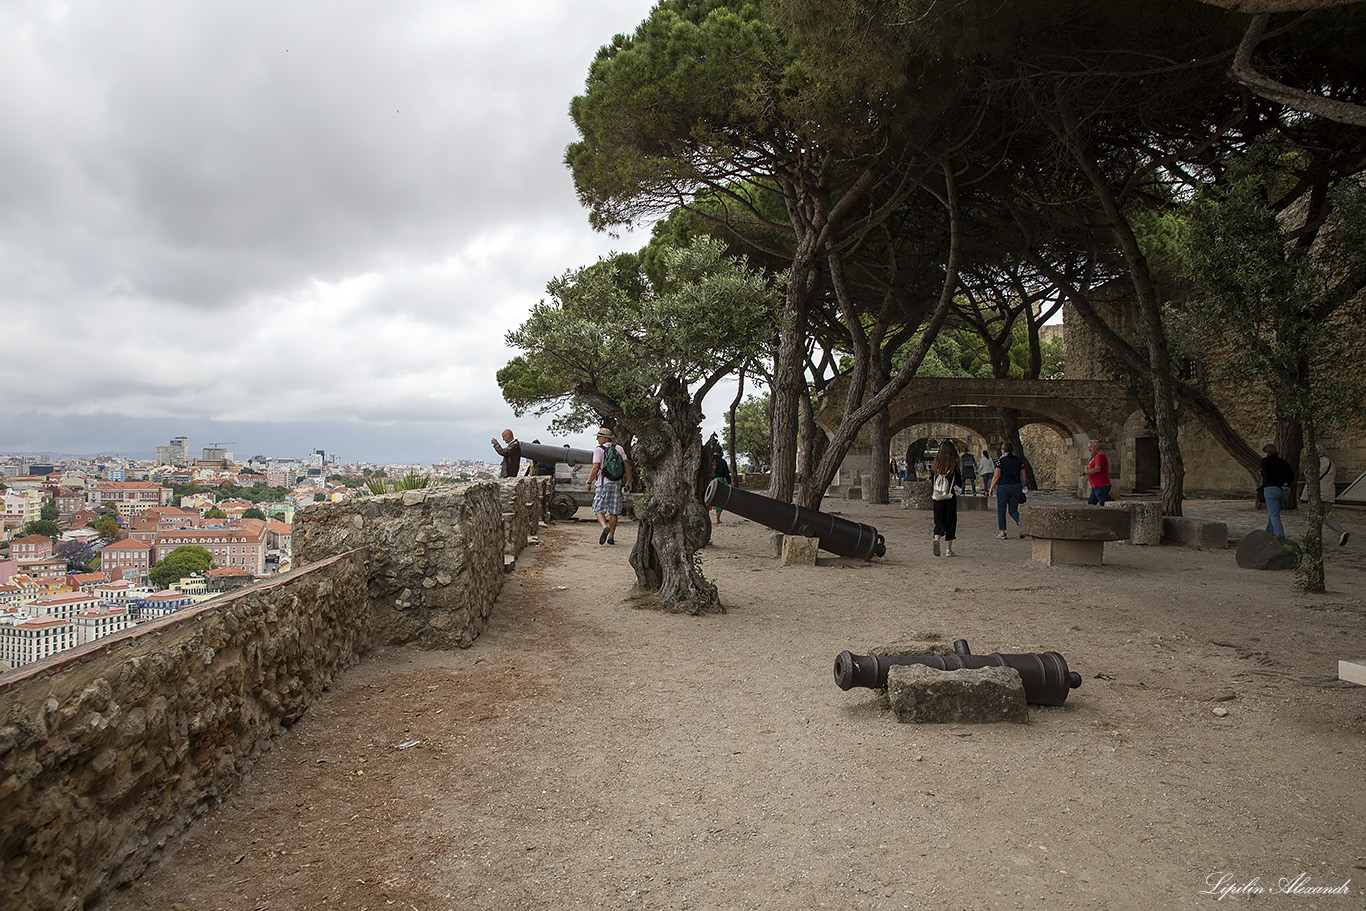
{"points": [[1076, 410]]}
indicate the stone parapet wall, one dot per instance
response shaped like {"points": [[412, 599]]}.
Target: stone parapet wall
{"points": [[436, 554], [111, 750], [526, 505]]}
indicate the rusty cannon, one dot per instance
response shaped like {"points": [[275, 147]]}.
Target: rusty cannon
{"points": [[1045, 674], [839, 536]]}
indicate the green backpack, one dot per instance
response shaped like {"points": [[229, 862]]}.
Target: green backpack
{"points": [[612, 466]]}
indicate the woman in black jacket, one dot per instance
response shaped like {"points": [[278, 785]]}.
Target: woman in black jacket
{"points": [[1277, 480]]}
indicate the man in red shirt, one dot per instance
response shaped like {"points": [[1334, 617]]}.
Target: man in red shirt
{"points": [[1097, 474]]}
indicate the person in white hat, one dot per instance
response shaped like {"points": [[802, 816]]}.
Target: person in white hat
{"points": [[611, 472]]}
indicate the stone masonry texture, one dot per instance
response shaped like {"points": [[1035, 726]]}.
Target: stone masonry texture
{"points": [[110, 751], [436, 554]]}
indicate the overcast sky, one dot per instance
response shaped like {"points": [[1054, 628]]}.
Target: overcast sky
{"points": [[283, 224]]}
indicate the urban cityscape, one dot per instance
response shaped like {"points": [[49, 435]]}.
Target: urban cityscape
{"points": [[86, 543]]}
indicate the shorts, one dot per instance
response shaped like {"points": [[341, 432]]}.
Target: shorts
{"points": [[607, 499]]}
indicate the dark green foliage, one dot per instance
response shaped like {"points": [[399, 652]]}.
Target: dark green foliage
{"points": [[45, 527], [189, 560]]}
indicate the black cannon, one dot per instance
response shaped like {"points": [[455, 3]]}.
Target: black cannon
{"points": [[571, 490], [1045, 674], [539, 452], [839, 536]]}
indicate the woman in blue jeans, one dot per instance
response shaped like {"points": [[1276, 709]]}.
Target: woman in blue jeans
{"points": [[1277, 479], [1008, 484]]}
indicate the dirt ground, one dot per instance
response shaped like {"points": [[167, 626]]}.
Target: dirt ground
{"points": [[586, 753]]}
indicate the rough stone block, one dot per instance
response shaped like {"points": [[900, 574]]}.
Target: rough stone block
{"points": [[799, 551], [916, 495], [1059, 552], [1074, 523], [775, 541], [1202, 534], [853, 493], [1145, 520], [1263, 550], [927, 695]]}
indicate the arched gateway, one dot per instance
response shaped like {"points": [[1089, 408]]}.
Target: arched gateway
{"points": [[1078, 410]]}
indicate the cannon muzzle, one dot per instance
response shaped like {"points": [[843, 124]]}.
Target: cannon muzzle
{"points": [[839, 536], [1045, 674], [539, 452]]}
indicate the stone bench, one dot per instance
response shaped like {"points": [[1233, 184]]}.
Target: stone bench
{"points": [[1072, 535], [1202, 534]]}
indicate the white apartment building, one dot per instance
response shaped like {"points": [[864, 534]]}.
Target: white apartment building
{"points": [[64, 607], [101, 621], [24, 641]]}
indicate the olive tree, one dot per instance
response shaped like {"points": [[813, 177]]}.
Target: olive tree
{"points": [[642, 356]]}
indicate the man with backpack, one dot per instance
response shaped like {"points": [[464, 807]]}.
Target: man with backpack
{"points": [[610, 472]]}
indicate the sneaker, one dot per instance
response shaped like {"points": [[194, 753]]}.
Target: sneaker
{"points": [[936, 547], [950, 553], [1342, 542], [602, 537], [1001, 536], [611, 540]]}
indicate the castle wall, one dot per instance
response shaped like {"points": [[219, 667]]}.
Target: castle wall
{"points": [[110, 751]]}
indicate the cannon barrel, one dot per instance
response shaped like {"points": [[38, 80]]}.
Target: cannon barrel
{"points": [[539, 452], [839, 536], [1045, 674]]}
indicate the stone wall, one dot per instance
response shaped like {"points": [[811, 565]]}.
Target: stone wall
{"points": [[436, 554], [109, 751]]}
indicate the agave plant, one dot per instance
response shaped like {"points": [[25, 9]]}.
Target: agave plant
{"points": [[410, 481]]}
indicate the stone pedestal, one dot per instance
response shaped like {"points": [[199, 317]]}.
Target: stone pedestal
{"points": [[799, 551], [1056, 552], [1074, 535]]}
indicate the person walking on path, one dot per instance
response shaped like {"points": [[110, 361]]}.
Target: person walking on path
{"points": [[1007, 482], [968, 471], [948, 481], [721, 471], [1328, 493], [611, 471], [1277, 479], [985, 468], [1097, 474], [511, 451]]}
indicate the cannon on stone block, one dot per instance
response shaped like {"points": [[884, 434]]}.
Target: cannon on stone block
{"points": [[572, 467], [839, 536], [1044, 674]]}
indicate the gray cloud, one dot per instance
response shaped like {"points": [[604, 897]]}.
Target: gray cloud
{"points": [[319, 215]]}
